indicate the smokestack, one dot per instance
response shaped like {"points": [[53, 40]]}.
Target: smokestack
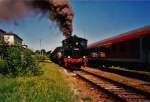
{"points": [[58, 11]]}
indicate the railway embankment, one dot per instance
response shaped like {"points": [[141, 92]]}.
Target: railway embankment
{"points": [[136, 83], [51, 86]]}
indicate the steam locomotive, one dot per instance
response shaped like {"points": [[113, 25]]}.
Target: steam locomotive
{"points": [[72, 53]]}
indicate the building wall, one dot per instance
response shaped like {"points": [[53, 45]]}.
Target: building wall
{"points": [[12, 40], [1, 40], [9, 39], [1, 37], [17, 41]]}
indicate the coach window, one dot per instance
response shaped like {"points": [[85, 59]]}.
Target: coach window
{"points": [[113, 50], [122, 46], [146, 43]]}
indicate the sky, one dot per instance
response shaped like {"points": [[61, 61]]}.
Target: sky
{"points": [[93, 19]]}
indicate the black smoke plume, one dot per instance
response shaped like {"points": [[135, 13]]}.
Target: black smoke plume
{"points": [[59, 11]]}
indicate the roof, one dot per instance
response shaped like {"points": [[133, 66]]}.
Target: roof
{"points": [[74, 37], [57, 49], [122, 37], [2, 31], [10, 33]]}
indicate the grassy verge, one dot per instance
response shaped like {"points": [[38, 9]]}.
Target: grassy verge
{"points": [[49, 87]]}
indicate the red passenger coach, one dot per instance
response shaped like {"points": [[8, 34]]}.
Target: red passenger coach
{"points": [[128, 49]]}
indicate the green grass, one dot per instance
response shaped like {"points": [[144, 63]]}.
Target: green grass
{"points": [[49, 87]]}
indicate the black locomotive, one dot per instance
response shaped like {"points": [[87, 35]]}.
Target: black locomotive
{"points": [[72, 53]]}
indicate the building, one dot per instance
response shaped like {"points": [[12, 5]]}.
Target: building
{"points": [[25, 46], [12, 39], [2, 35], [1, 41]]}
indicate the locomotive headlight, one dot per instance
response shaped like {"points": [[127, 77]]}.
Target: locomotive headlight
{"points": [[69, 57], [84, 57], [77, 43], [59, 55]]}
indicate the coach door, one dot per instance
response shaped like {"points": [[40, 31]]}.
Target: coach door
{"points": [[149, 56], [146, 47]]}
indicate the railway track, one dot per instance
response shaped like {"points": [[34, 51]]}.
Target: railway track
{"points": [[129, 73], [120, 92]]}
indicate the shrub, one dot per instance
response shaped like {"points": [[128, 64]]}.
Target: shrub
{"points": [[19, 62], [29, 63], [14, 62], [40, 58], [3, 50], [3, 67]]}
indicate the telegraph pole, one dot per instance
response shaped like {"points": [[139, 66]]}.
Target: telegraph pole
{"points": [[40, 47]]}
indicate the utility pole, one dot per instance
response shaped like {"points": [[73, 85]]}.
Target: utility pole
{"points": [[40, 47]]}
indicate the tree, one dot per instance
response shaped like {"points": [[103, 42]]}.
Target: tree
{"points": [[48, 52], [43, 51], [37, 51]]}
